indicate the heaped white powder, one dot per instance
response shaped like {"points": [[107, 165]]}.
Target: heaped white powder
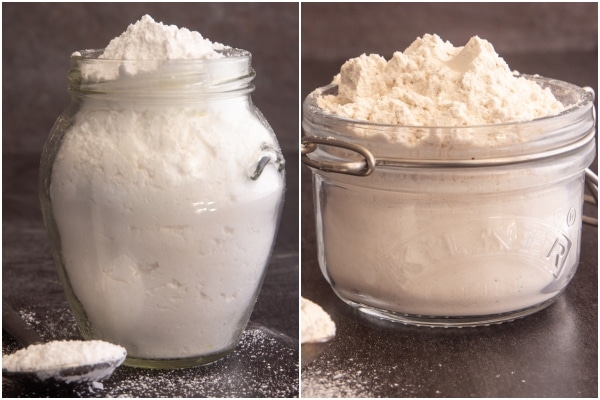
{"points": [[164, 235], [47, 359], [152, 41], [433, 83], [317, 325]]}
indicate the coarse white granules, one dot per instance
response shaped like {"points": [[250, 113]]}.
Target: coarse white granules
{"points": [[47, 359], [433, 83], [317, 325], [177, 234]]}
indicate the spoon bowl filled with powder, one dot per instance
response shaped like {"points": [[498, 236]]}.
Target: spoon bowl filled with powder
{"points": [[67, 361]]}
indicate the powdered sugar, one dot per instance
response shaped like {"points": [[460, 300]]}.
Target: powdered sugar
{"points": [[150, 40], [153, 42], [433, 83], [61, 353], [49, 360], [178, 224], [264, 364], [260, 367]]}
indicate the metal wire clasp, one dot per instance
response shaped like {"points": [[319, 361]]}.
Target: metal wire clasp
{"points": [[366, 165], [267, 155], [362, 167]]}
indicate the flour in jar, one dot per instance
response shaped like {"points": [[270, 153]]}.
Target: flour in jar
{"points": [[164, 235], [443, 241], [433, 83]]}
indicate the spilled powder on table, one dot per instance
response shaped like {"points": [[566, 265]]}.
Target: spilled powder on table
{"points": [[263, 365]]}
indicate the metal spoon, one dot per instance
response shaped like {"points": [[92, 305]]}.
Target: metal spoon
{"points": [[14, 325]]}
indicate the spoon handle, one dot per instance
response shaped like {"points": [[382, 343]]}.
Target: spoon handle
{"points": [[14, 324]]}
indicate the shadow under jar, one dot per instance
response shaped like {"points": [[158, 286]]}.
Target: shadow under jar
{"points": [[162, 191], [450, 226]]}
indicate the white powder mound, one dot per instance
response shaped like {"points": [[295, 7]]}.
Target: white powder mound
{"points": [[153, 42], [49, 358], [150, 40], [317, 325], [433, 83]]}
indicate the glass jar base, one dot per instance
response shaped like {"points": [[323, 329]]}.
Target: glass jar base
{"points": [[173, 363], [448, 321]]}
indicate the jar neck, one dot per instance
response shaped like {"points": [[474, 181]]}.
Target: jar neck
{"points": [[228, 76]]}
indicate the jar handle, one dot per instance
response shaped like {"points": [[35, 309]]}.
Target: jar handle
{"points": [[363, 167], [268, 155]]}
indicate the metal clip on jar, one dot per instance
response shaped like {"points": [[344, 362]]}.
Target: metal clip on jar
{"points": [[161, 191], [422, 226]]}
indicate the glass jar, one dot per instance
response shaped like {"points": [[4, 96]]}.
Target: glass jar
{"points": [[161, 188], [450, 226]]}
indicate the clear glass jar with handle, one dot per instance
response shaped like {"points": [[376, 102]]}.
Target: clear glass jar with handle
{"points": [[450, 226], [161, 191]]}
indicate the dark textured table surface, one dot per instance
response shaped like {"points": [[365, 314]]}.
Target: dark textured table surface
{"points": [[265, 364], [552, 353]]}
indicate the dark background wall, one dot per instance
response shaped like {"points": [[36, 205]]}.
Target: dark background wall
{"points": [[38, 39], [556, 33], [386, 27]]}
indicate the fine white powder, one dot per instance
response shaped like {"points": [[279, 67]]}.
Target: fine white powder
{"points": [[450, 246], [433, 83], [317, 325], [154, 42], [164, 235], [150, 40], [47, 359], [264, 364]]}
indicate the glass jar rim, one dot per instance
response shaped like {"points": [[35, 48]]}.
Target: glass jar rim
{"points": [[575, 126], [230, 75], [586, 97], [229, 54]]}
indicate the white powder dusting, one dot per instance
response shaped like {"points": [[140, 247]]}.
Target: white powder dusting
{"points": [[264, 364], [433, 83], [317, 325], [47, 359], [164, 235]]}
